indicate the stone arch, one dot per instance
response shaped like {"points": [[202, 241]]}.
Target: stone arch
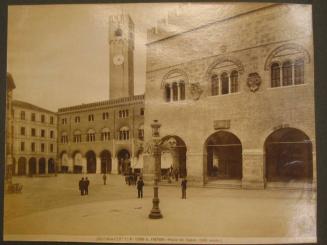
{"points": [[21, 166], [42, 165], [220, 60], [32, 166], [288, 46], [90, 162], [106, 162], [51, 166], [173, 156], [77, 161], [124, 160], [223, 156], [169, 74], [288, 155]]}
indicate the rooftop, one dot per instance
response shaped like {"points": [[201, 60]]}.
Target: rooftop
{"points": [[29, 106], [113, 102]]}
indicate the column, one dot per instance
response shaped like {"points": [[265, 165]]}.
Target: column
{"points": [[70, 165], [148, 168], [195, 168], [314, 169], [253, 169], [27, 167], [293, 73], [171, 92], [98, 165], [84, 163], [229, 83], [46, 166], [114, 165], [178, 92], [37, 166]]}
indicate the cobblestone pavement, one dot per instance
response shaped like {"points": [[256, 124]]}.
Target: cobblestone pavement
{"points": [[53, 206]]}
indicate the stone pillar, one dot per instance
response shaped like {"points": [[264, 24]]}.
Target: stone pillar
{"points": [[194, 166], [314, 169], [46, 166], [16, 168], [114, 165], [27, 167], [253, 169], [148, 168], [70, 165], [84, 163], [37, 166], [98, 165]]}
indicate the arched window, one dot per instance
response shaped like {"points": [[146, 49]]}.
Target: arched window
{"points": [[141, 132], [275, 75], [299, 71], [22, 115], [90, 135], [181, 90], [77, 136], [224, 83], [287, 73], [175, 91], [234, 81], [174, 84], [64, 137], [105, 134], [214, 84], [124, 133]]}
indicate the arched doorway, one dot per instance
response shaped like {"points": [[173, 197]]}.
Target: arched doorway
{"points": [[51, 166], [224, 156], [32, 166], [21, 166], [42, 165], [124, 162], [90, 162], [78, 162], [173, 154], [105, 162], [64, 162], [288, 155]]}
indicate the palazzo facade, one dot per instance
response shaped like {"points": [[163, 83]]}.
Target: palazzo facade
{"points": [[34, 140], [235, 96]]}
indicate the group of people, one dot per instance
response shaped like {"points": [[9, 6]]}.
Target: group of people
{"points": [[83, 185]]}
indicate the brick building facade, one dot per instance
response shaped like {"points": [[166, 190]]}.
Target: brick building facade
{"points": [[235, 96]]}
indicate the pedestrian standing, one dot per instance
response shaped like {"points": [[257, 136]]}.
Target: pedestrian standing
{"points": [[140, 185], [86, 183], [176, 174], [81, 186], [184, 185], [104, 177]]}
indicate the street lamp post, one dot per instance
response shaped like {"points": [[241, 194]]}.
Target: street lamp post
{"points": [[155, 211]]}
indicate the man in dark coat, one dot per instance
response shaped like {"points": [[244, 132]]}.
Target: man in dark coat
{"points": [[104, 177], [86, 186], [140, 185], [184, 185], [81, 186]]}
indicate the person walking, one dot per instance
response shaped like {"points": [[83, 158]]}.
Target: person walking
{"points": [[140, 185], [81, 186], [104, 177], [184, 185], [86, 186]]}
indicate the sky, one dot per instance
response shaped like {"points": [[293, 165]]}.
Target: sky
{"points": [[58, 55]]}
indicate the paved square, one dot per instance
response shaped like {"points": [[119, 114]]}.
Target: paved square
{"points": [[53, 206]]}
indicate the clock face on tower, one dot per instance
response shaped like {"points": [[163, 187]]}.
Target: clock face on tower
{"points": [[118, 59]]}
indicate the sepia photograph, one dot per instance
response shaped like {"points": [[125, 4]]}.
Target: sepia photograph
{"points": [[181, 123]]}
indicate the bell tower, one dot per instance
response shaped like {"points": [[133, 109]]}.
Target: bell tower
{"points": [[121, 58]]}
